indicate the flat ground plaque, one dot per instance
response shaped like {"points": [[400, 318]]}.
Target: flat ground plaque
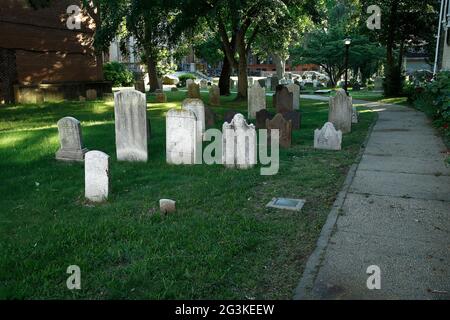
{"points": [[286, 204]]}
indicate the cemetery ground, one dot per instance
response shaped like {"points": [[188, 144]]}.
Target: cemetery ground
{"points": [[221, 243]]}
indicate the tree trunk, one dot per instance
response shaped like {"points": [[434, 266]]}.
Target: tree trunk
{"points": [[224, 80], [152, 74], [280, 65], [242, 72]]}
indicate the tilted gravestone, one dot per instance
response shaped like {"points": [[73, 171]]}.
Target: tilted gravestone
{"points": [[193, 91], [239, 143], [340, 111], [183, 145], [96, 176], [130, 112], [210, 117], [256, 99], [295, 90], [261, 117], [91, 94], [214, 95], [328, 138], [283, 100], [198, 108], [285, 129], [295, 117], [71, 140]]}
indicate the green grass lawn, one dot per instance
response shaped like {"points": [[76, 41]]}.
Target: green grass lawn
{"points": [[222, 243]]}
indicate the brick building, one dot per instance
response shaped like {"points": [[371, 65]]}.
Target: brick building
{"points": [[41, 59]]}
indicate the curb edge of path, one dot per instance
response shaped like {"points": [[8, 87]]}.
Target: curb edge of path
{"points": [[308, 278]]}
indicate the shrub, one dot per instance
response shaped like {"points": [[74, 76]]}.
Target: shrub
{"points": [[118, 74], [184, 77]]}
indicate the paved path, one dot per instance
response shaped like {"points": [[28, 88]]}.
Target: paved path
{"points": [[394, 213]]}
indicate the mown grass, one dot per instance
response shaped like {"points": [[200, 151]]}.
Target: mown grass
{"points": [[222, 243]]}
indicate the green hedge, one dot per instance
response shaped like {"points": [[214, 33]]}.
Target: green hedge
{"points": [[118, 74], [183, 79]]}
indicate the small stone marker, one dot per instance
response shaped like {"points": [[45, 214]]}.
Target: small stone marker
{"points": [[285, 130], [160, 97], [354, 115], [239, 143], [261, 117], [182, 140], [82, 99], [327, 138], [210, 117], [96, 176], [295, 90], [229, 115], [295, 117], [91, 94], [193, 91], [198, 108], [167, 206], [283, 99], [130, 112], [71, 140], [188, 82], [214, 95], [286, 204], [139, 85], [256, 99], [340, 111]]}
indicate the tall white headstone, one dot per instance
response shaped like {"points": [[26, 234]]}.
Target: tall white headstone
{"points": [[71, 140], [130, 111], [256, 99], [327, 138], [340, 112], [198, 108], [239, 143], [96, 176], [295, 90], [183, 144]]}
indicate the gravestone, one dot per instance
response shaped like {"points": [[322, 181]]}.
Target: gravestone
{"points": [[91, 94], [82, 99], [210, 117], [130, 112], [160, 97], [328, 138], [71, 140], [183, 144], [139, 85], [229, 115], [188, 82], [354, 115], [214, 95], [96, 176], [274, 82], [261, 117], [295, 90], [340, 111], [203, 84], [198, 108], [295, 117], [283, 99], [239, 143], [285, 129], [193, 91], [256, 99], [378, 84]]}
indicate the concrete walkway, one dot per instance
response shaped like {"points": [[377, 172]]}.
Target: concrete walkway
{"points": [[394, 212]]}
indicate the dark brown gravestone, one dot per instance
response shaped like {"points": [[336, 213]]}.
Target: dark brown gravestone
{"points": [[284, 101], [261, 117], [229, 115], [210, 117], [295, 117], [285, 129]]}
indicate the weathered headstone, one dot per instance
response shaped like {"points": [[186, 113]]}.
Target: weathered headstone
{"points": [[328, 138], [285, 129], [182, 140], [203, 84], [188, 82], [210, 117], [71, 140], [130, 112], [239, 143], [261, 117], [340, 112], [96, 176], [295, 90], [354, 115], [193, 91], [139, 85], [283, 99], [378, 84], [256, 99], [295, 117], [214, 95], [160, 97], [91, 94], [198, 108], [229, 115]]}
